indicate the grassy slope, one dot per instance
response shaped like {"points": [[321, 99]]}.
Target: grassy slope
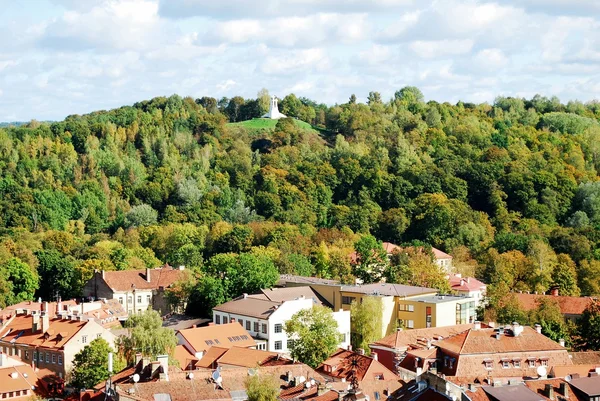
{"points": [[264, 123]]}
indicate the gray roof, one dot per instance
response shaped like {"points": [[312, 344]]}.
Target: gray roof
{"points": [[519, 392], [291, 293], [589, 385], [389, 289], [249, 306], [440, 299], [290, 278]]}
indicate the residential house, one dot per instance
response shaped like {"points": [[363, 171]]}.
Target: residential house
{"points": [[587, 387], [392, 349], [226, 358], [512, 351], [467, 286], [18, 381], [524, 390], [571, 307], [440, 258], [199, 340], [265, 319], [136, 290], [48, 343]]}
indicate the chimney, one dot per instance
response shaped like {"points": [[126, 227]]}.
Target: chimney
{"points": [[3, 359], [232, 320], [538, 328], [35, 322], [45, 306], [321, 390], [374, 356], [561, 341], [147, 274], [138, 358], [564, 389], [361, 351], [554, 291], [182, 267], [549, 391], [349, 347], [45, 321], [102, 273], [477, 325], [164, 363], [245, 295]]}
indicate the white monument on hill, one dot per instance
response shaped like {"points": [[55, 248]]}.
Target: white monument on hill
{"points": [[274, 113]]}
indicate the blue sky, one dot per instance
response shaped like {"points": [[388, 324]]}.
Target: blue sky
{"points": [[61, 57]]}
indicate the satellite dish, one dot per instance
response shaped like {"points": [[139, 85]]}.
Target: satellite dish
{"points": [[216, 375], [541, 371], [14, 375], [219, 380], [136, 378], [568, 378], [190, 376]]}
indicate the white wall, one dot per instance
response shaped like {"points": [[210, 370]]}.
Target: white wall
{"points": [[342, 317]]}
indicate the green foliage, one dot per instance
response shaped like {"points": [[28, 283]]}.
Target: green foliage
{"points": [[206, 294], [260, 387], [147, 336], [371, 259], [314, 333], [21, 281], [589, 327], [366, 321], [57, 275], [141, 215], [90, 365]]}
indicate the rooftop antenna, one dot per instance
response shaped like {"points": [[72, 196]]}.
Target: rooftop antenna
{"points": [[109, 392], [217, 378]]}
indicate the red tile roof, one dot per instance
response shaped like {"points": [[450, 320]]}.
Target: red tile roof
{"points": [[585, 358], [340, 366], [247, 357], [459, 283], [184, 357], [300, 392], [484, 341], [404, 339], [539, 387], [126, 279], [568, 305], [219, 335], [562, 371], [19, 331]]}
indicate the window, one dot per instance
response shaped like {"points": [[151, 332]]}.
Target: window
{"points": [[225, 320], [531, 363], [26, 354], [121, 300], [98, 335], [84, 339], [139, 299], [544, 362], [241, 322], [411, 308], [347, 300], [248, 324], [410, 324], [277, 345], [290, 344], [278, 328], [53, 358], [517, 363], [402, 307], [428, 316], [130, 300], [60, 359], [35, 355], [378, 376], [505, 364], [256, 327], [218, 319], [264, 328], [47, 357], [148, 299], [488, 364]]}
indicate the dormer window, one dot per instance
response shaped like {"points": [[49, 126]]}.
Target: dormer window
{"points": [[489, 364]]}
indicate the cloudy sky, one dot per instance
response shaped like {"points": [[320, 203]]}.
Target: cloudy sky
{"points": [[61, 57]]}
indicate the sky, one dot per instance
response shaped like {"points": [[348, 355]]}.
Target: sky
{"points": [[62, 57]]}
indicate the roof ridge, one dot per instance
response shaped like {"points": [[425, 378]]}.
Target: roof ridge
{"points": [[464, 341]]}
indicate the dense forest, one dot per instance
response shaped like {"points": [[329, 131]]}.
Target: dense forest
{"points": [[510, 189]]}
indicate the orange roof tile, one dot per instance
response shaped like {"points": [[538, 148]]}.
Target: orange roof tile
{"points": [[17, 378], [459, 283], [340, 366], [562, 371], [404, 339], [585, 358], [19, 331], [568, 305], [184, 357], [211, 357], [247, 357], [484, 341], [126, 279], [219, 335]]}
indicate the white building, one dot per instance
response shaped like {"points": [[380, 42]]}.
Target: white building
{"points": [[265, 319]]}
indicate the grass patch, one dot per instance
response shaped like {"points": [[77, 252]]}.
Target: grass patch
{"points": [[257, 124]]}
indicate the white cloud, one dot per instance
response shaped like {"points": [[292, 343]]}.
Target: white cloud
{"points": [[226, 85], [292, 62], [441, 48], [490, 59]]}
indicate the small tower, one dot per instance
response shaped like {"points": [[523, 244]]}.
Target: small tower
{"points": [[273, 113]]}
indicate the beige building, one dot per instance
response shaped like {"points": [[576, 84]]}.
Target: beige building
{"points": [[136, 290], [48, 343]]}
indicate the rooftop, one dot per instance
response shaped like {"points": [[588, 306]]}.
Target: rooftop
{"points": [[220, 335], [291, 278], [483, 341], [440, 299], [567, 305], [16, 375], [341, 365], [460, 283], [388, 289], [291, 293], [125, 280], [249, 306], [403, 339], [511, 393], [585, 358], [60, 331], [588, 385]]}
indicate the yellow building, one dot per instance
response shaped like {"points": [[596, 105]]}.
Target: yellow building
{"points": [[403, 305]]}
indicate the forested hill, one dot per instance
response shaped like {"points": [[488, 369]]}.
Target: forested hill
{"points": [[510, 189]]}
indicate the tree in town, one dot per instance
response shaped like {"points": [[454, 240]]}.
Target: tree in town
{"points": [[261, 387], [589, 326], [208, 292], [57, 275], [22, 280], [90, 365], [314, 334], [146, 335], [366, 321], [371, 259]]}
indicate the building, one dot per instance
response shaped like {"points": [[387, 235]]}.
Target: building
{"points": [[273, 112], [440, 258], [227, 358], [571, 307], [136, 290], [392, 349], [264, 319], [18, 381], [467, 287], [199, 340], [49, 343], [106, 312], [512, 351], [587, 387]]}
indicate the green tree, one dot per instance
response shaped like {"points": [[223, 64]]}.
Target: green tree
{"points": [[21, 279], [314, 335], [90, 365], [371, 259], [548, 315], [589, 327], [146, 335], [366, 321], [262, 387], [207, 293], [564, 276], [57, 275], [141, 215]]}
